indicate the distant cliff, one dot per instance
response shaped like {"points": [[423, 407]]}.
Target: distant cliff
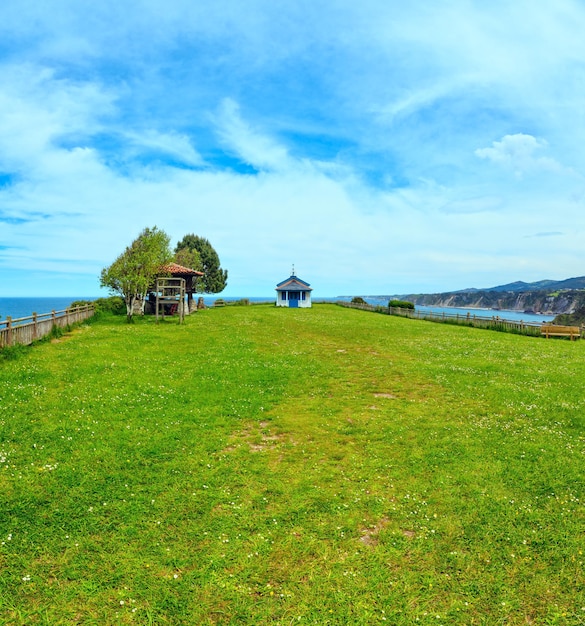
{"points": [[540, 301], [553, 297]]}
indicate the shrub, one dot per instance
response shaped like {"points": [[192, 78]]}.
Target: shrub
{"points": [[358, 300], [79, 303], [400, 304], [113, 304], [57, 332], [11, 353], [571, 319]]}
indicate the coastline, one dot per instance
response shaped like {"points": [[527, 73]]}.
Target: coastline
{"points": [[25, 306], [509, 314]]}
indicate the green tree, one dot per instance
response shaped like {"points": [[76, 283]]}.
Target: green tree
{"points": [[215, 279], [188, 257], [134, 271]]}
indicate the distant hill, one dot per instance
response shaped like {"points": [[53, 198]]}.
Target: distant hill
{"points": [[543, 296], [520, 286]]}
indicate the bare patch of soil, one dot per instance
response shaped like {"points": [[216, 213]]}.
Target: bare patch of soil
{"points": [[370, 535]]}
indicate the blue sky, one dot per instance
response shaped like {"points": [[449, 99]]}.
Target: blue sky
{"points": [[381, 147]]}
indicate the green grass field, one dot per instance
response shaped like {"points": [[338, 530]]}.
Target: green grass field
{"points": [[271, 466]]}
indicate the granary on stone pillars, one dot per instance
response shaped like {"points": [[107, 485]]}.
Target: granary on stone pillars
{"points": [[293, 293], [190, 276]]}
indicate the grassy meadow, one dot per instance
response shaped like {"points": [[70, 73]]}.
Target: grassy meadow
{"points": [[268, 466]]}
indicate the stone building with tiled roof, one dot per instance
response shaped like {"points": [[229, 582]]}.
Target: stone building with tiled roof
{"points": [[180, 271]]}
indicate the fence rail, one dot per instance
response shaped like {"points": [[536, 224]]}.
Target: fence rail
{"points": [[26, 330], [494, 322]]}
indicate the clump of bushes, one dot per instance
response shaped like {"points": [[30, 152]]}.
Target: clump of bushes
{"points": [[11, 353], [400, 304], [571, 319], [57, 332], [113, 304], [358, 300], [79, 303]]}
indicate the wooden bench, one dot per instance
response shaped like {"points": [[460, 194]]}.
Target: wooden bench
{"points": [[553, 330]]}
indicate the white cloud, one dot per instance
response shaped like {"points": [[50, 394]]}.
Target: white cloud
{"points": [[518, 153], [39, 110], [172, 144], [248, 144], [338, 136]]}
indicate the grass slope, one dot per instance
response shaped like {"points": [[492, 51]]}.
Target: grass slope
{"points": [[261, 465]]}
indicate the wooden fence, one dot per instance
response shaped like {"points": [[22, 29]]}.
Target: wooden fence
{"points": [[495, 322], [26, 330]]}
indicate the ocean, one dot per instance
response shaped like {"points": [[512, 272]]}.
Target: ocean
{"points": [[514, 316], [25, 307]]}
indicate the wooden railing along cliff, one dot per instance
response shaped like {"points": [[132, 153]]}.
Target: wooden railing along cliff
{"points": [[26, 330], [494, 322]]}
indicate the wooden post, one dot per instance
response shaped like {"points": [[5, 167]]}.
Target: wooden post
{"points": [[8, 330], [35, 326]]}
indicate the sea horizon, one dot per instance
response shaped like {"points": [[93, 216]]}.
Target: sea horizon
{"points": [[20, 307]]}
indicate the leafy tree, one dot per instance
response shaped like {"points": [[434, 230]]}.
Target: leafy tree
{"points": [[134, 271], [188, 257], [215, 279]]}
